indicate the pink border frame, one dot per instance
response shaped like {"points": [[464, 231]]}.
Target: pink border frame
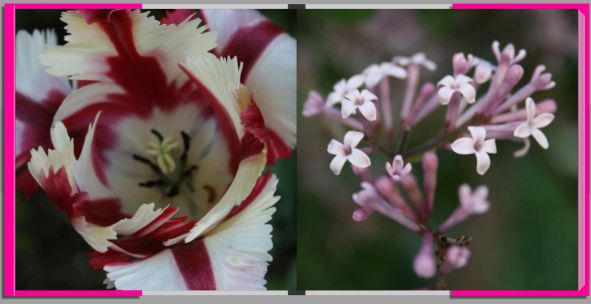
{"points": [[583, 291], [9, 179]]}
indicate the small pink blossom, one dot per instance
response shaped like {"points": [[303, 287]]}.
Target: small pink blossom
{"points": [[397, 169], [418, 59], [314, 105], [347, 152], [461, 84], [344, 87], [477, 145], [507, 56], [533, 124], [473, 202], [376, 72], [457, 256], [362, 101]]}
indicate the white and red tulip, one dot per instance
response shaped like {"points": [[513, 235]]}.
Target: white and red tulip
{"points": [[158, 159]]}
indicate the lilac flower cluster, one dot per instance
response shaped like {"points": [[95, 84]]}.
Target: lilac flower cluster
{"points": [[483, 104]]}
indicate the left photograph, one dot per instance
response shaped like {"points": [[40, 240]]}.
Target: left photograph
{"points": [[155, 149]]}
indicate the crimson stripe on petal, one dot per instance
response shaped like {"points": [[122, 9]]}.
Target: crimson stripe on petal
{"points": [[224, 121], [99, 260], [166, 215], [194, 265], [173, 228], [249, 42], [177, 16]]}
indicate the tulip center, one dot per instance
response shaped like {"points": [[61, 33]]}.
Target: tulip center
{"points": [[172, 171]]}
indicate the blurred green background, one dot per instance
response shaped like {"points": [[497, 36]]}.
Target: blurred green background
{"points": [[528, 239], [51, 255]]}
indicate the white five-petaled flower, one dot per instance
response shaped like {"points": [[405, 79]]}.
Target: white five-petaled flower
{"points": [[376, 72], [416, 59], [347, 151], [397, 169], [342, 88], [460, 84], [362, 101], [477, 145], [533, 124], [473, 202]]}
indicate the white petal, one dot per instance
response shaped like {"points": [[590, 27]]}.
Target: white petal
{"points": [[335, 147], [84, 56], [522, 131], [225, 22], [543, 120], [238, 248], [248, 172], [540, 138], [407, 169], [478, 133], [31, 78], [482, 162], [482, 73], [158, 272], [272, 82], [463, 146], [368, 110], [394, 70], [359, 159], [446, 81], [489, 146], [332, 99], [96, 236], [468, 92], [353, 138], [445, 95], [368, 96], [143, 216], [221, 77], [523, 151], [530, 107], [347, 108], [337, 163], [355, 82]]}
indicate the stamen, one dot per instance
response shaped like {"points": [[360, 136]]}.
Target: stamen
{"points": [[147, 162], [174, 191], [151, 183], [186, 146], [157, 134]]}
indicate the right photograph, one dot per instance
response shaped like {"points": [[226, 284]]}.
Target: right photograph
{"points": [[437, 150]]}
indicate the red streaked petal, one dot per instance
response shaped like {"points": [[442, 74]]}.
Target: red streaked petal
{"points": [[195, 266], [249, 42], [177, 16]]}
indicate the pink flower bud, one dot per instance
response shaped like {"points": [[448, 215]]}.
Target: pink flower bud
{"points": [[457, 256], [461, 64], [424, 263], [362, 214], [514, 74]]}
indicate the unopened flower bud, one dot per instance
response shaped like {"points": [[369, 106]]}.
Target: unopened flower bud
{"points": [[424, 263], [514, 74], [361, 214]]}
